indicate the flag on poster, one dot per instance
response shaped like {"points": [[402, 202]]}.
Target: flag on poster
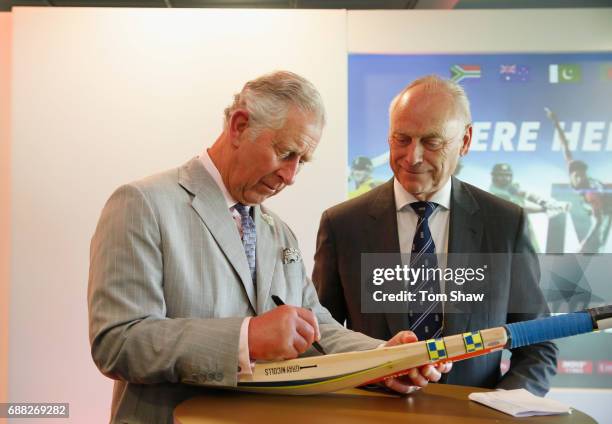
{"points": [[461, 72], [514, 73], [564, 73]]}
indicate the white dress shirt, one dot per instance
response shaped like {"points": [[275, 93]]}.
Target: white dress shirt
{"points": [[439, 220], [407, 218]]}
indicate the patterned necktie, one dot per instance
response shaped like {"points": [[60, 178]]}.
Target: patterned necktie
{"points": [[249, 236], [428, 323]]}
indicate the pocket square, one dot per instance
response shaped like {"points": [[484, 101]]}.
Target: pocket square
{"points": [[290, 255]]}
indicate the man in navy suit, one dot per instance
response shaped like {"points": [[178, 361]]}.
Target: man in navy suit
{"points": [[430, 129]]}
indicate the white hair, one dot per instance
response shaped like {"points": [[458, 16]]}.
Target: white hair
{"points": [[435, 83], [268, 98]]}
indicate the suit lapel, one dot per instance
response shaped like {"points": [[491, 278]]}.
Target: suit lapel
{"points": [[267, 254], [383, 238], [465, 231], [381, 232], [464, 237], [209, 203]]}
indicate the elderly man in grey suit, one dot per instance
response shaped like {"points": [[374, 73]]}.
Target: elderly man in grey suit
{"points": [[184, 263], [430, 128]]}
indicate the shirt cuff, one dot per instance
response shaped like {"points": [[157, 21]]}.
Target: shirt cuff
{"points": [[244, 361]]}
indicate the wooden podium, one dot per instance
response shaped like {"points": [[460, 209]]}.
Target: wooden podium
{"points": [[438, 403]]}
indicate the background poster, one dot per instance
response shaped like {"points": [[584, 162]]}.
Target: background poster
{"points": [[516, 153]]}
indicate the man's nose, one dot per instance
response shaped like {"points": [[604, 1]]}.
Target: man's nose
{"points": [[289, 170], [414, 153]]}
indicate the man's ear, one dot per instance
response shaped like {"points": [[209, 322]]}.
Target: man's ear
{"points": [[467, 141], [238, 123]]}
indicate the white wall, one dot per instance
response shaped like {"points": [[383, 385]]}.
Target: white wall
{"points": [[105, 96], [479, 31]]}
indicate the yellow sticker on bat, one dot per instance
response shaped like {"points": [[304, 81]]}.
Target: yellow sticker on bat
{"points": [[473, 342], [436, 349]]}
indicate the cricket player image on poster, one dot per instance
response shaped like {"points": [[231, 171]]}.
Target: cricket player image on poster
{"points": [[542, 138]]}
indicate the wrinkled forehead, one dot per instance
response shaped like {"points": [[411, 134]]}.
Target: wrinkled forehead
{"points": [[301, 134]]}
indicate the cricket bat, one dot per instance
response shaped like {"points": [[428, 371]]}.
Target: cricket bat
{"points": [[329, 373]]}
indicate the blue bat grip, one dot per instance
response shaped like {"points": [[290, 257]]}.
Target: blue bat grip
{"points": [[544, 329]]}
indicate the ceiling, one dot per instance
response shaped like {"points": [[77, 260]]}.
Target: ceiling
{"points": [[6, 5]]}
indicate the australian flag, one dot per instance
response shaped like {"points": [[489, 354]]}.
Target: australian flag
{"points": [[514, 73]]}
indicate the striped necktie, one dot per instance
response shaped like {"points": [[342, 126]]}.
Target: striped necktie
{"points": [[427, 324], [249, 236]]}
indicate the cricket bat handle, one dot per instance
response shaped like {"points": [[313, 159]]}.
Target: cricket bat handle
{"points": [[544, 329]]}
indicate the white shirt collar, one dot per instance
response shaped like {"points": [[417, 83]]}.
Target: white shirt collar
{"points": [[402, 198], [214, 173]]}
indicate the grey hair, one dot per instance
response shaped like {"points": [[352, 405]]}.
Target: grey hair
{"points": [[435, 83], [269, 97]]}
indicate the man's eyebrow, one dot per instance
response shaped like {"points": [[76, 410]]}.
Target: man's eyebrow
{"points": [[400, 134], [433, 134], [305, 153], [430, 134]]}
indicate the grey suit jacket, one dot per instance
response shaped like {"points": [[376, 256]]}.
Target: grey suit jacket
{"points": [[169, 287], [479, 222]]}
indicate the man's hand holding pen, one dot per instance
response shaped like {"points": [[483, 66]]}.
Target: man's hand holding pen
{"points": [[282, 333]]}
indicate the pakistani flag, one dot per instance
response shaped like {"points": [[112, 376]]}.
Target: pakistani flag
{"points": [[564, 73]]}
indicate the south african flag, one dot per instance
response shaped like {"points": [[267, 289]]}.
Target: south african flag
{"points": [[461, 72]]}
